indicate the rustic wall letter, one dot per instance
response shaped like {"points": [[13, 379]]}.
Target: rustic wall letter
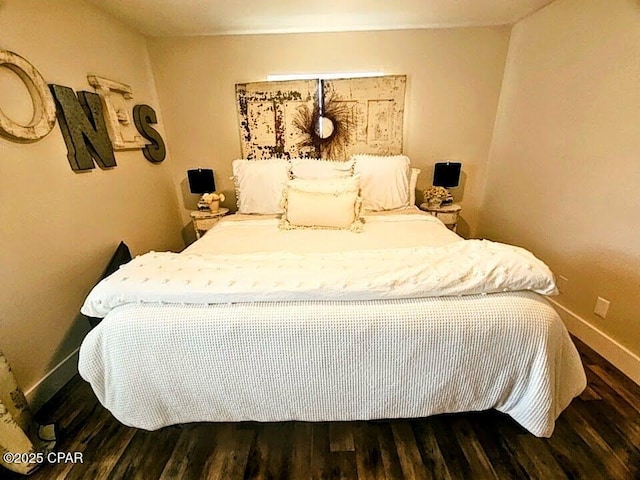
{"points": [[114, 97], [83, 129], [144, 116], [44, 110]]}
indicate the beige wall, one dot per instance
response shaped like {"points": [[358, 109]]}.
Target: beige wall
{"points": [[564, 176], [453, 86], [59, 228]]}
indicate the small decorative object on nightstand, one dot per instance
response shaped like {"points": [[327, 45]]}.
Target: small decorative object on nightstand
{"points": [[447, 214], [203, 220], [435, 196]]}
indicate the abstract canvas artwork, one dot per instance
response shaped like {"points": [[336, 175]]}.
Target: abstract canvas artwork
{"points": [[321, 118]]}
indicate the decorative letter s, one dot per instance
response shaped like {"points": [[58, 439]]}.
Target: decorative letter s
{"points": [[143, 116]]}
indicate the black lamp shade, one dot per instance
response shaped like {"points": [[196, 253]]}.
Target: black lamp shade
{"points": [[447, 174], [201, 180]]}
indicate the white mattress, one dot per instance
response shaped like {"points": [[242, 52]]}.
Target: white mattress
{"points": [[154, 364]]}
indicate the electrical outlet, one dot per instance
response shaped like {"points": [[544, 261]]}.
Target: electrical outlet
{"points": [[602, 307], [562, 283]]}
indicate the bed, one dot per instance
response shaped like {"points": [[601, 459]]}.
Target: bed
{"points": [[264, 322]]}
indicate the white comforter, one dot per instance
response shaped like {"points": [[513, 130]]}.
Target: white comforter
{"points": [[154, 364], [457, 268]]}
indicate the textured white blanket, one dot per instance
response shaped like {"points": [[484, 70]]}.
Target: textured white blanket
{"points": [[460, 268], [157, 365]]}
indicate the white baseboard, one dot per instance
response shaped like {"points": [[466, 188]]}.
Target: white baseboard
{"points": [[618, 355], [53, 381]]}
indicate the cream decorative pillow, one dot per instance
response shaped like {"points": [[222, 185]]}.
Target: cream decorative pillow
{"points": [[325, 203], [384, 181], [259, 184], [310, 168]]}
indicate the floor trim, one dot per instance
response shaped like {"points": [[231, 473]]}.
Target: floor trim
{"points": [[617, 354], [48, 386]]}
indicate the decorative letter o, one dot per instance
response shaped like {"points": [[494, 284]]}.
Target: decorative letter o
{"points": [[44, 109]]}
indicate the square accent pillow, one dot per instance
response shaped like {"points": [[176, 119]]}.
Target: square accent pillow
{"points": [[310, 168], [326, 203], [384, 181], [259, 184]]}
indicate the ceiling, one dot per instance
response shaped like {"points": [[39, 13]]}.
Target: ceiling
{"points": [[220, 17]]}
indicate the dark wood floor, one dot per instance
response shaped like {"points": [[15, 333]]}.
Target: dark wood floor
{"points": [[597, 437]]}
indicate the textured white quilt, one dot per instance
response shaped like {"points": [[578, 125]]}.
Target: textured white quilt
{"points": [[155, 364]]}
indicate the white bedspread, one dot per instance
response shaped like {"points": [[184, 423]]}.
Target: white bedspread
{"points": [[157, 360], [157, 365]]}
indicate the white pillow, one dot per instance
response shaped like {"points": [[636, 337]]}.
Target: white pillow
{"points": [[384, 181], [259, 184], [312, 168], [326, 203]]}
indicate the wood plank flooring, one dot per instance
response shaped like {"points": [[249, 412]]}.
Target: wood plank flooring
{"points": [[597, 437]]}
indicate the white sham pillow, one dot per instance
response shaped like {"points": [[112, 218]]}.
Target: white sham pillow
{"points": [[310, 168], [259, 184], [325, 203], [384, 181]]}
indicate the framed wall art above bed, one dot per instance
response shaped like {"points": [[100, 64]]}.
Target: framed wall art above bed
{"points": [[321, 118]]}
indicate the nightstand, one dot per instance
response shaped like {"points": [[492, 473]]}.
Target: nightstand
{"points": [[203, 220], [447, 214]]}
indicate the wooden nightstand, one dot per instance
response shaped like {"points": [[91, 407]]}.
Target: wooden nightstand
{"points": [[203, 220], [447, 214]]}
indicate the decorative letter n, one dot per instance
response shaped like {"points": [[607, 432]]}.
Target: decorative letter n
{"points": [[83, 129]]}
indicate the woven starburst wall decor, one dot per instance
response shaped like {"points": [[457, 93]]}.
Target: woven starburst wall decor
{"points": [[321, 118]]}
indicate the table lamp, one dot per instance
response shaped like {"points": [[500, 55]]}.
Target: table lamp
{"points": [[447, 175], [201, 182]]}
